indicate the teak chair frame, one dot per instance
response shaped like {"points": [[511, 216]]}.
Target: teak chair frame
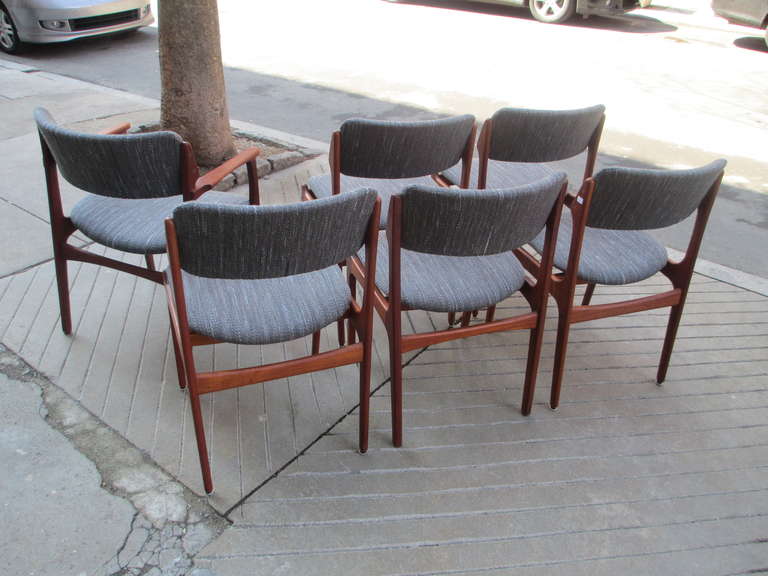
{"points": [[360, 318], [563, 285], [390, 307], [335, 155], [192, 185]]}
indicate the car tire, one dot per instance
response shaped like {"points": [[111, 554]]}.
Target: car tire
{"points": [[552, 11], [9, 38]]}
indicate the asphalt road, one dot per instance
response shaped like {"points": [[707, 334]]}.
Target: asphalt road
{"points": [[681, 86]]}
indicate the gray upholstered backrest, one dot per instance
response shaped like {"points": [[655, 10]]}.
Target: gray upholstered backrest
{"points": [[117, 165], [642, 199], [377, 149], [250, 242], [520, 135], [460, 222]]}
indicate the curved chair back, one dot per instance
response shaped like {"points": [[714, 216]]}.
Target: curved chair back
{"points": [[253, 242], [378, 149], [643, 199], [522, 135], [462, 222], [117, 165]]}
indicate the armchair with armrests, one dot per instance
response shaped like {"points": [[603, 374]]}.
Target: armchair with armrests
{"points": [[602, 241], [452, 250], [133, 182], [268, 274]]}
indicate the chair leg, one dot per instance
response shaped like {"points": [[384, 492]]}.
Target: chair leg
{"points": [[150, 261], [316, 343], [62, 280], [588, 295], [365, 396], [340, 331], [532, 367], [180, 370], [490, 313], [451, 318], [675, 314], [561, 347], [465, 318], [396, 380], [202, 449]]}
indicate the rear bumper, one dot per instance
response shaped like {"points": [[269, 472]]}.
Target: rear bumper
{"points": [[83, 22]]}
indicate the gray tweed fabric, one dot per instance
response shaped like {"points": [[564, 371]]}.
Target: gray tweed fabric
{"points": [[380, 149], [449, 283], [523, 135], [467, 222], [501, 174], [117, 165], [321, 188], [608, 256], [250, 242], [642, 199], [268, 310], [131, 225]]}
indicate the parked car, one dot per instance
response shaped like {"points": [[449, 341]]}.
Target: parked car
{"points": [[557, 11], [61, 20], [745, 12]]}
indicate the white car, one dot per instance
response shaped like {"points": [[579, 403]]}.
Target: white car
{"points": [[61, 20]]}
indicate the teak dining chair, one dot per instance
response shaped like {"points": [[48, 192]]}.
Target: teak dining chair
{"points": [[451, 250], [601, 241], [134, 181], [267, 274], [515, 144], [389, 156]]}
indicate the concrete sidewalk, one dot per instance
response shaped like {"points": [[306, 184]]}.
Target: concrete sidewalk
{"points": [[626, 477]]}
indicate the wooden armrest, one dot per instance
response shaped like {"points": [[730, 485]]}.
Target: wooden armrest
{"points": [[210, 179], [119, 129]]}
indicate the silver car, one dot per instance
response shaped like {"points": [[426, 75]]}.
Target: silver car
{"points": [[61, 20]]}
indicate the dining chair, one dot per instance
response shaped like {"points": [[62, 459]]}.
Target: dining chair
{"points": [[133, 182], [516, 143], [602, 240], [389, 156], [451, 250], [265, 274]]}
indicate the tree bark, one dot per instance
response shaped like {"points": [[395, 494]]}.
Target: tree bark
{"points": [[193, 97]]}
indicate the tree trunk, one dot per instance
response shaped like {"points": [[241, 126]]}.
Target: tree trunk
{"points": [[194, 100]]}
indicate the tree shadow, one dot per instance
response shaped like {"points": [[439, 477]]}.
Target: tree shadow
{"points": [[754, 43], [629, 23]]}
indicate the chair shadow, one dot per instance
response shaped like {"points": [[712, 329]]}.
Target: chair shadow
{"points": [[629, 23], [754, 43]]}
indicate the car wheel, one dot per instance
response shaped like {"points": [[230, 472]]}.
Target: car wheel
{"points": [[9, 39], [552, 11]]}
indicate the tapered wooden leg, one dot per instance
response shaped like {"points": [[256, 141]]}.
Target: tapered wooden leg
{"points": [[465, 318], [451, 318], [62, 281], [150, 261], [590, 290], [490, 313], [180, 370], [531, 369], [202, 449], [396, 380], [365, 395], [340, 331], [561, 347], [316, 343], [675, 314]]}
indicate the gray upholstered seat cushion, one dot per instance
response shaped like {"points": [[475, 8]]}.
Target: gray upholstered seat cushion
{"points": [[133, 225], [321, 188], [268, 310], [450, 283], [608, 256], [501, 174]]}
